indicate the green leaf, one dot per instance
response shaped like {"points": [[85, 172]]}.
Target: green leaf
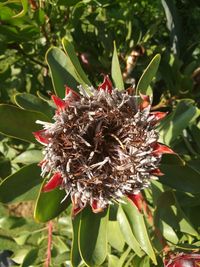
{"points": [[127, 232], [116, 240], [174, 25], [32, 102], [24, 9], [182, 178], [22, 185], [75, 255], [7, 243], [5, 167], [49, 204], [30, 258], [172, 126], [62, 71], [29, 156], [113, 261], [123, 257], [138, 227], [70, 51], [147, 76], [116, 71], [169, 211], [18, 123], [93, 237]]}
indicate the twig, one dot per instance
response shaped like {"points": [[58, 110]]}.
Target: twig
{"points": [[48, 257]]}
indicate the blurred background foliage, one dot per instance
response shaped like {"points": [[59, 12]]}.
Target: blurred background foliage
{"points": [[140, 29]]}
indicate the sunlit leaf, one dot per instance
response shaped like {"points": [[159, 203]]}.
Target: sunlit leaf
{"points": [[127, 232], [139, 228], [75, 254], [116, 71], [22, 185], [32, 102], [50, 204], [18, 123], [93, 237], [147, 76]]}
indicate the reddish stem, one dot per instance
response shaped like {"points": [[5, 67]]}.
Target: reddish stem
{"points": [[48, 257]]}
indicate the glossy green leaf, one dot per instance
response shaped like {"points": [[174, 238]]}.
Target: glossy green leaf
{"points": [[62, 71], [138, 227], [127, 232], [169, 211], [93, 237], [116, 71], [50, 204], [183, 178], [173, 24], [5, 167], [168, 232], [22, 185], [75, 254], [123, 257], [24, 9], [70, 51], [29, 156], [147, 76], [18, 123], [172, 126], [116, 240], [32, 102], [113, 261], [30, 258]]}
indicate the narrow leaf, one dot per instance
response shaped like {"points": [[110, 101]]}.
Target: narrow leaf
{"points": [[70, 51], [18, 123], [116, 71], [93, 237], [75, 255], [32, 102], [62, 71], [139, 228], [183, 178], [22, 185], [50, 204], [147, 76], [127, 232]]}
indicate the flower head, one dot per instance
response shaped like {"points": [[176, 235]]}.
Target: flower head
{"points": [[101, 147]]}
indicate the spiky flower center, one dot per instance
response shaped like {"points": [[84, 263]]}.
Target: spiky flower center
{"points": [[103, 147]]}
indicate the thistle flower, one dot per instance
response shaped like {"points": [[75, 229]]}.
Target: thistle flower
{"points": [[100, 147]]}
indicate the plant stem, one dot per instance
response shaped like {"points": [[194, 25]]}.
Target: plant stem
{"points": [[48, 257]]}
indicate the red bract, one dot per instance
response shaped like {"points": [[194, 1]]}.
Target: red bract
{"points": [[106, 85], [55, 181], [183, 260], [137, 199], [41, 137], [60, 104], [162, 149]]}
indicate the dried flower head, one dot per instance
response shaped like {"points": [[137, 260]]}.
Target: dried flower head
{"points": [[101, 147]]}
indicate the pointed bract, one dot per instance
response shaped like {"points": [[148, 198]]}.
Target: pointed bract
{"points": [[95, 206], [145, 101], [41, 137], [71, 94], [106, 85], [55, 181], [162, 149], [159, 115], [157, 172], [137, 200], [60, 104]]}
